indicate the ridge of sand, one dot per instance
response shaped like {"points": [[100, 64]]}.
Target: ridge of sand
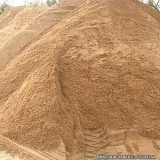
{"points": [[97, 69]]}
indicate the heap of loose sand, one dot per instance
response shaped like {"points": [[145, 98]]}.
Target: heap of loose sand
{"points": [[20, 26], [99, 67]]}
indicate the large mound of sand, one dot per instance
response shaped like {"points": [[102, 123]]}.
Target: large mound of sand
{"points": [[97, 69], [20, 26]]}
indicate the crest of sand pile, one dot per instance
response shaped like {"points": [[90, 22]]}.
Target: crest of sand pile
{"points": [[20, 26], [15, 19], [97, 68], [13, 32], [71, 2]]}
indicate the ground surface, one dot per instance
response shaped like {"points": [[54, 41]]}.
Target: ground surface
{"points": [[82, 80], [5, 156]]}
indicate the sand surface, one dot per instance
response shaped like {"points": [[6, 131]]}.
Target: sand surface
{"points": [[85, 85], [5, 156]]}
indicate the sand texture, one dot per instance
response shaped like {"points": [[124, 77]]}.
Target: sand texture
{"points": [[88, 84]]}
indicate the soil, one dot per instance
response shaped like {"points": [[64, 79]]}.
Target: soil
{"points": [[86, 85]]}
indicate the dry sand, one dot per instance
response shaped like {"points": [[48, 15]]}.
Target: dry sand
{"points": [[89, 85], [21, 26], [6, 156]]}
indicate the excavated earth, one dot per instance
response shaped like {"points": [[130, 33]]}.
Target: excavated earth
{"points": [[80, 80]]}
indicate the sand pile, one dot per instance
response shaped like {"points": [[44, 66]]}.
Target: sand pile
{"points": [[71, 2], [13, 32], [97, 69], [21, 26], [14, 20]]}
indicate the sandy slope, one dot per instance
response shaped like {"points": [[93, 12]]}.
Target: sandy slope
{"points": [[5, 156], [22, 25], [90, 82]]}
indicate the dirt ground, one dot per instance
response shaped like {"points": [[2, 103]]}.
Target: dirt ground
{"points": [[86, 82]]}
